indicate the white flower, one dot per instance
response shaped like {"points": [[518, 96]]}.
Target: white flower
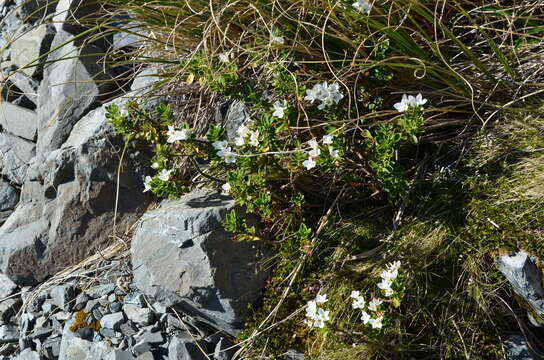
{"points": [[254, 138], [220, 145], [409, 100], [279, 108], [355, 294], [321, 299], [319, 324], [365, 318], [333, 152], [385, 284], [155, 165], [277, 39], [394, 266], [239, 141], [124, 112], [147, 186], [243, 130], [311, 309], [388, 292], [309, 164], [374, 303], [175, 135], [327, 94], [322, 315], [226, 188], [358, 303], [227, 155], [327, 139], [363, 6], [164, 175], [314, 153], [313, 144], [377, 322], [224, 57]]}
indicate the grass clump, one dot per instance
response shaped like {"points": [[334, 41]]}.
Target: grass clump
{"points": [[349, 170]]}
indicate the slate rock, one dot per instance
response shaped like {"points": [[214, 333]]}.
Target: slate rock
{"points": [[31, 11], [185, 348], [28, 49], [81, 302], [9, 308], [136, 298], [222, 350], [146, 356], [29, 354], [517, 349], [15, 155], [21, 90], [75, 348], [138, 315], [120, 355], [18, 121], [182, 256], [525, 278], [100, 290], [115, 307], [112, 321], [9, 334], [128, 329], [7, 287], [51, 348], [63, 295], [141, 347]]}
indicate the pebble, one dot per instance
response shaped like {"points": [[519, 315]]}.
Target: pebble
{"points": [[9, 333], [101, 290], [140, 316], [135, 298], [113, 321]]}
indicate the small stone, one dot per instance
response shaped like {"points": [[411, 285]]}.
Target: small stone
{"points": [[113, 321], [62, 316], [112, 298], [97, 337], [145, 356], [120, 355], [140, 316], [184, 348], [151, 337], [221, 352], [173, 322], [8, 308], [26, 322], [8, 334], [63, 295], [48, 306], [103, 301], [141, 347], [517, 349], [160, 308], [90, 306], [97, 314], [24, 342], [101, 290], [115, 307], [85, 333], [51, 348], [29, 354], [107, 333], [135, 298], [115, 341], [7, 287], [81, 301], [128, 328], [40, 322]]}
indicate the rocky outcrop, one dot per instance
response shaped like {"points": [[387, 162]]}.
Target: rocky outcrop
{"points": [[183, 257]]}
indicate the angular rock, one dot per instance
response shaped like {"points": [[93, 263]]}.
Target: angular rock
{"points": [[182, 256], [8, 308], [120, 355], [100, 290], [185, 348], [22, 89], [51, 348], [28, 354], [34, 10], [75, 348], [7, 287], [70, 14], [9, 198], [27, 49], [73, 82], [15, 155], [128, 329], [525, 278], [63, 295], [136, 298], [146, 356], [112, 321], [222, 350], [75, 217], [18, 120], [293, 354], [138, 315], [517, 349], [9, 334]]}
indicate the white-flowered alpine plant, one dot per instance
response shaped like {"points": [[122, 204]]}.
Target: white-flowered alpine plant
{"points": [[327, 94], [224, 151], [408, 101], [363, 6], [316, 315]]}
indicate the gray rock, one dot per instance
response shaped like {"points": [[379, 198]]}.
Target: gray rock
{"points": [[120, 355], [75, 348], [115, 307], [138, 315], [8, 308], [517, 349], [85, 333], [107, 333], [136, 298], [141, 347], [151, 337], [18, 120], [24, 88], [15, 155], [112, 298], [72, 84], [185, 348], [8, 334], [293, 354], [74, 218], [70, 14], [7, 287], [81, 301], [63, 295], [90, 306], [112, 321], [128, 329], [62, 316], [51, 348], [222, 350], [101, 290], [236, 115], [28, 354], [27, 49], [146, 356], [525, 278], [182, 256], [98, 314], [26, 322], [33, 10]]}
